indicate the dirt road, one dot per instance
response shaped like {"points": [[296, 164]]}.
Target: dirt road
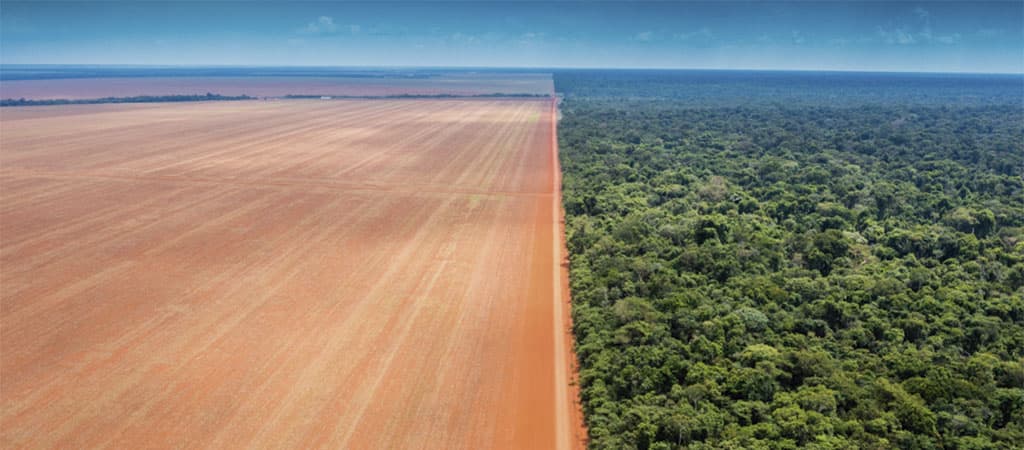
{"points": [[342, 274]]}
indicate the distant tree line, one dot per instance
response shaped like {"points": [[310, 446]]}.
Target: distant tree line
{"points": [[728, 88], [134, 99], [218, 97], [418, 96], [833, 274]]}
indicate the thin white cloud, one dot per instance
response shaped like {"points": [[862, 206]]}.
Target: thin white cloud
{"points": [[900, 36], [922, 13], [461, 37], [530, 38], [703, 33], [989, 32], [644, 36], [798, 38], [322, 25], [327, 25], [906, 36], [949, 39], [920, 33]]}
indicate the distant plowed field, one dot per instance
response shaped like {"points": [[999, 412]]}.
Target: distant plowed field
{"points": [[341, 274], [455, 84]]}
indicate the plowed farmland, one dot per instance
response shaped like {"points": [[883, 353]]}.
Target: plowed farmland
{"points": [[453, 84], [334, 274]]}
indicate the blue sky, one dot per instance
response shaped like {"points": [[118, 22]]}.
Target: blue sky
{"points": [[882, 36]]}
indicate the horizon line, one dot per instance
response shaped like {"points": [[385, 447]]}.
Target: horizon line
{"points": [[538, 68]]}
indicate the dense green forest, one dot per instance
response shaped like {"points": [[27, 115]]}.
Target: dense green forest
{"points": [[835, 271]]}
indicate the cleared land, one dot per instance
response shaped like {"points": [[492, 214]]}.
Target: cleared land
{"points": [[454, 84], [343, 274]]}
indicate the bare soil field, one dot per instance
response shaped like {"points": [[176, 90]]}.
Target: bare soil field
{"points": [[454, 84], [341, 274]]}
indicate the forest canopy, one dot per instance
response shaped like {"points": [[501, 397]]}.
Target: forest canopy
{"points": [[821, 264]]}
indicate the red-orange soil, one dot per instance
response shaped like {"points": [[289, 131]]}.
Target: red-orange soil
{"points": [[339, 274]]}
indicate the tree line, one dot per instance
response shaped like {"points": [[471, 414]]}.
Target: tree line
{"points": [[133, 99]]}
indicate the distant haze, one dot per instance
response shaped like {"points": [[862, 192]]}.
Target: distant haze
{"points": [[862, 36]]}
